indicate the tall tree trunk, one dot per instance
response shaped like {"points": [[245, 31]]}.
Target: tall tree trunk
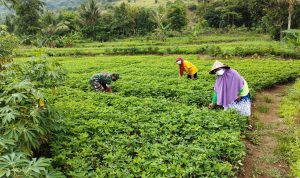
{"points": [[291, 9], [290, 21]]}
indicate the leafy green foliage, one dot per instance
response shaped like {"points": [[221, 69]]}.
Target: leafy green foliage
{"points": [[221, 45], [124, 20], [89, 17], [41, 73], [290, 111], [220, 14], [28, 14], [176, 15], [25, 117], [154, 124], [17, 165], [117, 136], [7, 44], [292, 37], [164, 84], [120, 19], [27, 121], [144, 21]]}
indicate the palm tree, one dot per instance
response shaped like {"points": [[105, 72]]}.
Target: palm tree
{"points": [[90, 15], [52, 25]]}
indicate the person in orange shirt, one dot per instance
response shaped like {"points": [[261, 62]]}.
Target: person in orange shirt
{"points": [[188, 67]]}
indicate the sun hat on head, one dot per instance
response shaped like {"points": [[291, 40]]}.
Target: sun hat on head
{"points": [[218, 65], [116, 75]]}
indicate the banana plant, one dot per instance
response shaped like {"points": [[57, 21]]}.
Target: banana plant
{"points": [[292, 37]]}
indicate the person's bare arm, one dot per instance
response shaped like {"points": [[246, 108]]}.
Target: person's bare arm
{"points": [[108, 89]]}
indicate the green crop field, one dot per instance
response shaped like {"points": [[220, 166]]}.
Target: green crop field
{"points": [[223, 45], [98, 89], [155, 124], [140, 131]]}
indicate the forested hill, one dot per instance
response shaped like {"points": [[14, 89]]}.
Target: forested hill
{"points": [[70, 4], [63, 4], [58, 4], [73, 4]]}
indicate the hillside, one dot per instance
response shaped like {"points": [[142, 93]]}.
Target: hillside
{"points": [[72, 4], [153, 3], [63, 4], [58, 4]]}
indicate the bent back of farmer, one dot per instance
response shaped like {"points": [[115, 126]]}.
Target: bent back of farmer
{"points": [[188, 67], [101, 81], [231, 90]]}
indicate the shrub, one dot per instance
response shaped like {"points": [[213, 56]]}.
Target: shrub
{"points": [[27, 119], [7, 43]]}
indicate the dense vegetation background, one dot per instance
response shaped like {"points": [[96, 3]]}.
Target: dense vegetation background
{"points": [[58, 23]]}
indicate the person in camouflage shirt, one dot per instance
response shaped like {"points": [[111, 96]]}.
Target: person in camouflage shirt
{"points": [[101, 81]]}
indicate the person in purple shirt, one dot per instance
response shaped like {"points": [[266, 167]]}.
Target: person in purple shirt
{"points": [[231, 90]]}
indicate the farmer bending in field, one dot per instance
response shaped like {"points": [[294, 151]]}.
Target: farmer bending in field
{"points": [[231, 90], [188, 67], [101, 81]]}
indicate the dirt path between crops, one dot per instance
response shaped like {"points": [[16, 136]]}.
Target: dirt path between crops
{"points": [[262, 158]]}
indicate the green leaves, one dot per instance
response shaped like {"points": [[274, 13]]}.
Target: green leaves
{"points": [[292, 37], [112, 135], [7, 44], [15, 98], [154, 125], [39, 73], [27, 120], [5, 144], [8, 115], [17, 165], [44, 73], [11, 164]]}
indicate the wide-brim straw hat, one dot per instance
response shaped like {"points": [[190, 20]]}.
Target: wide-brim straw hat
{"points": [[218, 65]]}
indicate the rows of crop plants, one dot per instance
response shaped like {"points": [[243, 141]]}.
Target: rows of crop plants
{"points": [[239, 48], [290, 111], [157, 76], [141, 132], [109, 135], [215, 38]]}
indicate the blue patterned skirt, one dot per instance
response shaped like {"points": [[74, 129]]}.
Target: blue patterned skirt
{"points": [[242, 106]]}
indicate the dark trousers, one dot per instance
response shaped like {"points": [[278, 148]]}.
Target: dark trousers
{"points": [[194, 75]]}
